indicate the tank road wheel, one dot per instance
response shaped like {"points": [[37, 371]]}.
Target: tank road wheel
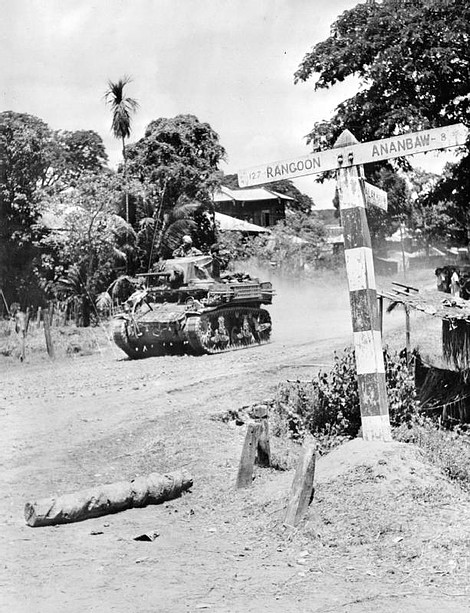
{"points": [[247, 330], [235, 336], [228, 329], [205, 332], [262, 327], [199, 334], [221, 338]]}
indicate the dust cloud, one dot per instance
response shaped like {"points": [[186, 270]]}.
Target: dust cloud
{"points": [[317, 308], [309, 309]]}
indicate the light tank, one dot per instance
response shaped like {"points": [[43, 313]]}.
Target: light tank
{"points": [[188, 306]]}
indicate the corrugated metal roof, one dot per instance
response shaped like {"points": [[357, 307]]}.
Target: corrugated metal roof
{"points": [[227, 223], [225, 194], [283, 196]]}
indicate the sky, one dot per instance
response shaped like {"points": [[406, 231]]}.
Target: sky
{"points": [[231, 63]]}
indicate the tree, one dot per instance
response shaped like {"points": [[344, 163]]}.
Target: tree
{"points": [[443, 210], [37, 164], [176, 161], [96, 243], [413, 63], [70, 155], [25, 144], [302, 202], [122, 108]]}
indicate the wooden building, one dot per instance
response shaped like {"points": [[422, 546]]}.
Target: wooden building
{"points": [[258, 206]]}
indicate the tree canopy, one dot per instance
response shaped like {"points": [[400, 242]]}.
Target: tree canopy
{"points": [[176, 157], [177, 163], [25, 144], [412, 60], [96, 242], [70, 155], [37, 163]]}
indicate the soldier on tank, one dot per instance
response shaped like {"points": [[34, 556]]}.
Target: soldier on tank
{"points": [[219, 261], [186, 248]]}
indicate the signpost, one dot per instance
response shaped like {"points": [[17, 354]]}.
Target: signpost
{"points": [[375, 196], [354, 193], [355, 155]]}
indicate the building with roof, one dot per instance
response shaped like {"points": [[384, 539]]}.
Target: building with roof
{"points": [[258, 206]]}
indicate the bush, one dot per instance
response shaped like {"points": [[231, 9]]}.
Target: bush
{"points": [[328, 406]]}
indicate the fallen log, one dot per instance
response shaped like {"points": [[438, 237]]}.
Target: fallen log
{"points": [[106, 499]]}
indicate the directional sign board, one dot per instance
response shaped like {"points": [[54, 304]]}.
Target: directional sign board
{"points": [[375, 196], [353, 155]]}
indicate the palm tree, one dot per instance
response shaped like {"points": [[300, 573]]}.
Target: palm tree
{"points": [[122, 108]]}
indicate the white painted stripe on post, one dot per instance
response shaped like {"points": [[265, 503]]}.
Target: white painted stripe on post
{"points": [[360, 268], [376, 428], [350, 192], [369, 353]]}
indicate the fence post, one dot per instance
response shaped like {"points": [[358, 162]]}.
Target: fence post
{"points": [[47, 333], [263, 457], [301, 493], [247, 461]]}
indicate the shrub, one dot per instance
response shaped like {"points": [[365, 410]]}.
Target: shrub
{"points": [[329, 404]]}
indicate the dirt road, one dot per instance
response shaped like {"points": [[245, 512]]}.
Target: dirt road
{"points": [[102, 418]]}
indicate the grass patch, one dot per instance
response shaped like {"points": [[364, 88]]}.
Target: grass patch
{"points": [[449, 450]]}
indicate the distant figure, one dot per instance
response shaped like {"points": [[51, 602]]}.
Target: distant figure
{"points": [[21, 326], [443, 278], [219, 262], [455, 283], [216, 261], [186, 248]]}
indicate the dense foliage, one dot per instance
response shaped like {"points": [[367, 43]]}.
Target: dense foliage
{"points": [[177, 163], [63, 230], [294, 246], [413, 63], [94, 245], [38, 165], [329, 404], [25, 144]]}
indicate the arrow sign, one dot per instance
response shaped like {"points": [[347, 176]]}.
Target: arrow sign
{"points": [[353, 155], [375, 196]]}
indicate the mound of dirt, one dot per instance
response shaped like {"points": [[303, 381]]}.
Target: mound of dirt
{"points": [[393, 465]]}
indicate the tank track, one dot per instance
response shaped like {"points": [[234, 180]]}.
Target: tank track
{"points": [[228, 329], [133, 347]]}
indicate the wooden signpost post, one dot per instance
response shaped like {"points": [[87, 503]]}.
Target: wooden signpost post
{"points": [[354, 194]]}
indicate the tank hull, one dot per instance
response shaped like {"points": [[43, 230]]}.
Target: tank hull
{"points": [[214, 331], [193, 312]]}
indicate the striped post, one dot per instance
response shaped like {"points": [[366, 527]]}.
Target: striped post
{"points": [[363, 298]]}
